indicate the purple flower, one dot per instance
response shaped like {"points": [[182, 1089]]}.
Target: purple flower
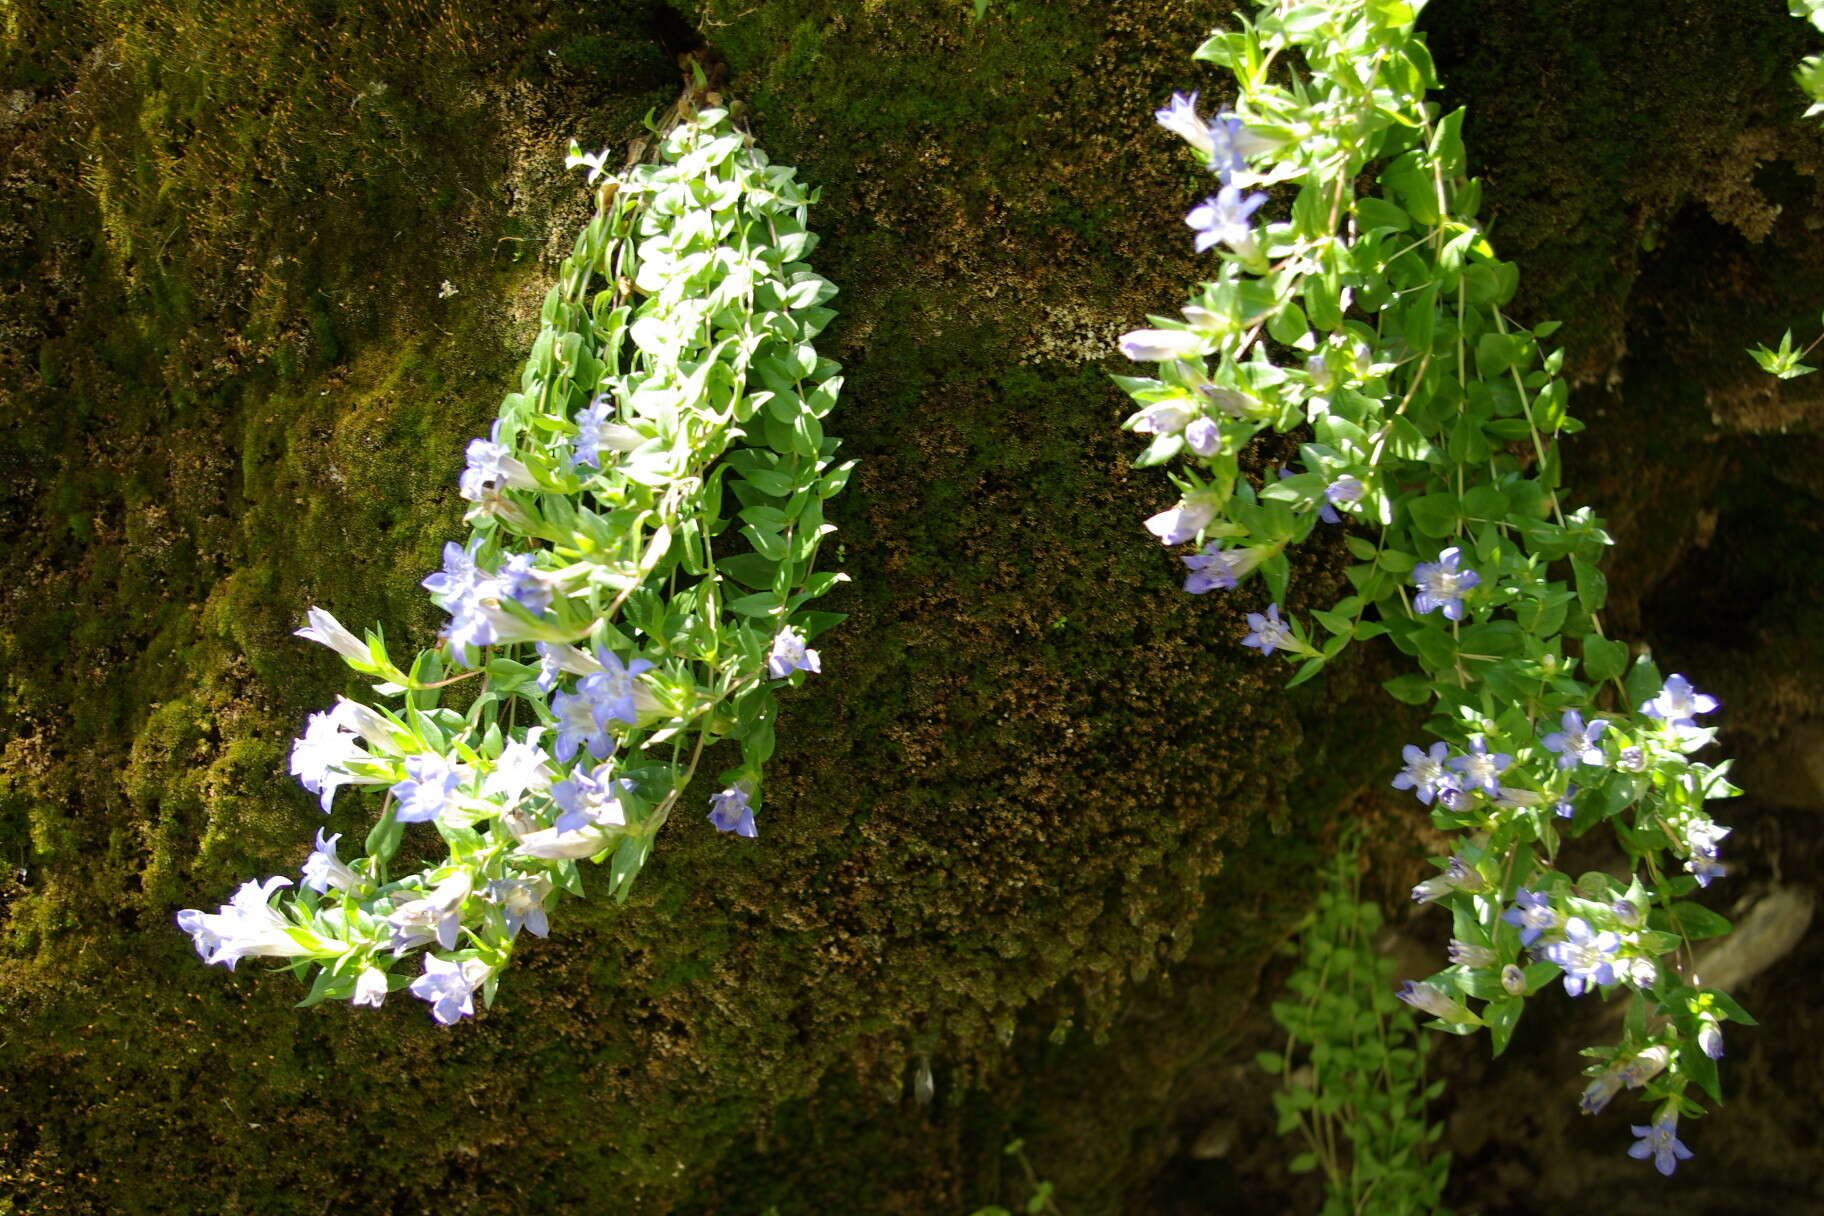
{"points": [[1600, 1091], [1164, 418], [320, 759], [1435, 1001], [1564, 808], [1710, 1038], [1269, 632], [591, 798], [556, 658], [431, 781], [1704, 836], [1203, 436], [246, 926], [1587, 958], [789, 655], [449, 987], [1226, 142], [1344, 490], [731, 811], [595, 432], [492, 468], [1219, 569], [612, 688], [522, 765], [436, 916], [1424, 773], [1184, 521], [1661, 1143], [1179, 116], [1645, 1066], [1458, 875], [519, 580], [1441, 584], [1479, 767], [1576, 743], [1706, 870], [522, 904], [459, 589], [1627, 913], [323, 870], [580, 725], [1532, 914], [1224, 219], [1678, 703]]}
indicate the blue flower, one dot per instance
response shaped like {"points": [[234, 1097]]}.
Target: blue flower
{"points": [[1424, 773], [492, 468], [1532, 914], [522, 904], [579, 724], [436, 916], [1565, 808], [1678, 703], [1710, 1038], [1576, 743], [1479, 767], [1587, 958], [789, 655], [1441, 585], [1180, 117], [1661, 1143], [323, 870], [521, 581], [449, 987], [586, 448], [1600, 1091], [1217, 568], [431, 782], [1706, 870], [247, 926], [1224, 219], [731, 811], [591, 798], [1269, 632], [319, 760], [459, 589], [612, 688], [1184, 521], [1344, 490]]}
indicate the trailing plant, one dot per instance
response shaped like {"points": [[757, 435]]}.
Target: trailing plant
{"points": [[606, 625], [1352, 1075], [1788, 361], [1378, 321]]}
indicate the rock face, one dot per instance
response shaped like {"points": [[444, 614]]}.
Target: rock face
{"points": [[1041, 825]]}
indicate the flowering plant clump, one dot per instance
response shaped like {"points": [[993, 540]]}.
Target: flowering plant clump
{"points": [[612, 626], [1378, 322]]}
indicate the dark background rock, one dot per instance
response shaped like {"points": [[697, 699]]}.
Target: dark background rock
{"points": [[1043, 823]]}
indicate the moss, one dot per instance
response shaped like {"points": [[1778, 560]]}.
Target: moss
{"points": [[1041, 824]]}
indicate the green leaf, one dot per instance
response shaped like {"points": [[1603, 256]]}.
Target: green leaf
{"points": [[1603, 659], [1502, 1016], [1698, 922], [1435, 514], [1414, 688]]}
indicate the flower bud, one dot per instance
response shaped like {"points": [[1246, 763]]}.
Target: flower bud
{"points": [[1513, 980], [1159, 345], [370, 987], [1433, 1000], [1465, 954]]}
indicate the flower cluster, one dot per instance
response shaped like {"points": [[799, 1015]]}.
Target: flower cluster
{"points": [[613, 627], [1378, 322]]}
